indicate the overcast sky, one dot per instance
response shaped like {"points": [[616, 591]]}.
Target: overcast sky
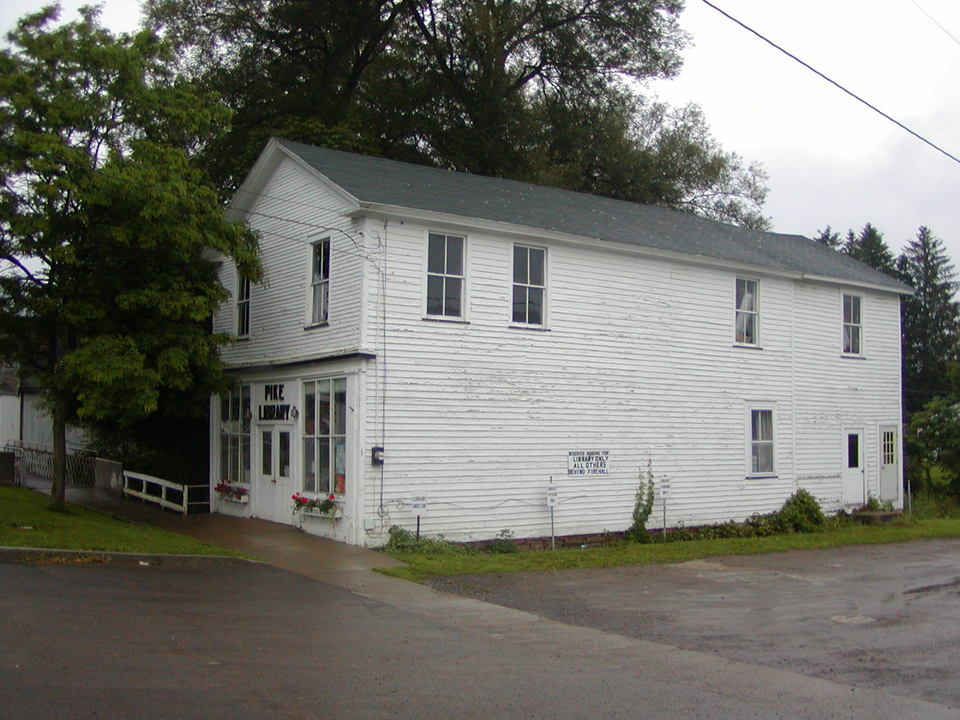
{"points": [[830, 160]]}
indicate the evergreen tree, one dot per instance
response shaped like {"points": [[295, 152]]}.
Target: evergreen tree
{"points": [[829, 238], [930, 318], [869, 247]]}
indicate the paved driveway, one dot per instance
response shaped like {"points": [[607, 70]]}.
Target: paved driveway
{"points": [[882, 616]]}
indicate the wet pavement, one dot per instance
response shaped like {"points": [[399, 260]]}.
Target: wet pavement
{"points": [[845, 633], [879, 616]]}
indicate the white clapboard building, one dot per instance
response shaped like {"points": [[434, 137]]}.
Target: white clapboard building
{"points": [[447, 346]]}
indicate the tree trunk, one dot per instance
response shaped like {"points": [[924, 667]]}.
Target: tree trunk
{"points": [[59, 488]]}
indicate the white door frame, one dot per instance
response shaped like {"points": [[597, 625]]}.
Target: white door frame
{"points": [[273, 487], [894, 496], [853, 483]]}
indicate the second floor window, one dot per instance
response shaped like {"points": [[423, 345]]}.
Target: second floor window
{"points": [[445, 275], [852, 324], [747, 312], [529, 284], [320, 282], [243, 306]]}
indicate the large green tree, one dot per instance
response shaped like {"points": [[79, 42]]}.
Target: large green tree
{"points": [[931, 318], [538, 90], [107, 228]]}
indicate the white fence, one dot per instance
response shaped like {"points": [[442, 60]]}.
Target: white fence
{"points": [[165, 493]]}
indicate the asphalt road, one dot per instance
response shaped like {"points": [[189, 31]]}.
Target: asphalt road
{"points": [[252, 641]]}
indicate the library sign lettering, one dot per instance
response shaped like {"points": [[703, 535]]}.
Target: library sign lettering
{"points": [[588, 462], [274, 409]]}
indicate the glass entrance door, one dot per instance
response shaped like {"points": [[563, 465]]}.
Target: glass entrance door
{"points": [[274, 474]]}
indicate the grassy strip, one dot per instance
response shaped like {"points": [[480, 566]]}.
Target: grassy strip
{"points": [[422, 566], [27, 521]]}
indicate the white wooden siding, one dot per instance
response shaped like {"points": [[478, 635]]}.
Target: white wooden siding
{"points": [[638, 359], [280, 303], [637, 356]]}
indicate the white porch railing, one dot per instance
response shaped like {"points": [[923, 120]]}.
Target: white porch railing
{"points": [[165, 493]]}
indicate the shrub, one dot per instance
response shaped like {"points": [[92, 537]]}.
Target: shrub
{"points": [[642, 507], [404, 541], [503, 544], [801, 513]]}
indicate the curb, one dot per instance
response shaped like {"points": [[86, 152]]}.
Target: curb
{"points": [[37, 555]]}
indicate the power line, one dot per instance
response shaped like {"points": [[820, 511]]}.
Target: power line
{"points": [[833, 82], [936, 22]]}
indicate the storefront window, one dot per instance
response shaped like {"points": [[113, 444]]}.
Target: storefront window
{"points": [[235, 435], [325, 437]]}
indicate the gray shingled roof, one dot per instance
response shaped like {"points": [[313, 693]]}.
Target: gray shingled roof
{"points": [[376, 180]]}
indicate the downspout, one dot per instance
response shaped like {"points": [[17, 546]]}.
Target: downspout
{"points": [[383, 365]]}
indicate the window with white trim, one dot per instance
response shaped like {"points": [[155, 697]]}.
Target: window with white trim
{"points": [[852, 324], [243, 306], [235, 417], [529, 284], [761, 442], [320, 281], [445, 275], [747, 312], [325, 437]]}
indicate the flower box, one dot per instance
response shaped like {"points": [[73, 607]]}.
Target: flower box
{"points": [[243, 499], [334, 514]]}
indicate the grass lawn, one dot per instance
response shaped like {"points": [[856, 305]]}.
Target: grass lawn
{"points": [[422, 566], [27, 521]]}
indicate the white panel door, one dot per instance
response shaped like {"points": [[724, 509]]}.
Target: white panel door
{"points": [[853, 475], [889, 464], [274, 474]]}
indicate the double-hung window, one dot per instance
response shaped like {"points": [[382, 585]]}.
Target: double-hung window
{"points": [[243, 306], [747, 312], [320, 282], [529, 284], [761, 442], [852, 325], [445, 275], [235, 435]]}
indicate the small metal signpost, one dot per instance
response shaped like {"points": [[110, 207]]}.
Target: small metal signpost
{"points": [[664, 492], [419, 507], [553, 492]]}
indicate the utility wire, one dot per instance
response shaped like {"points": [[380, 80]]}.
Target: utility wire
{"points": [[833, 82], [936, 22]]}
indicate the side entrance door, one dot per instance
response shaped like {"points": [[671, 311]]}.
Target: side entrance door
{"points": [[853, 474], [889, 463], [274, 474]]}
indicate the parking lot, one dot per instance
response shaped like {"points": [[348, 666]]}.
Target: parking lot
{"points": [[878, 616]]}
